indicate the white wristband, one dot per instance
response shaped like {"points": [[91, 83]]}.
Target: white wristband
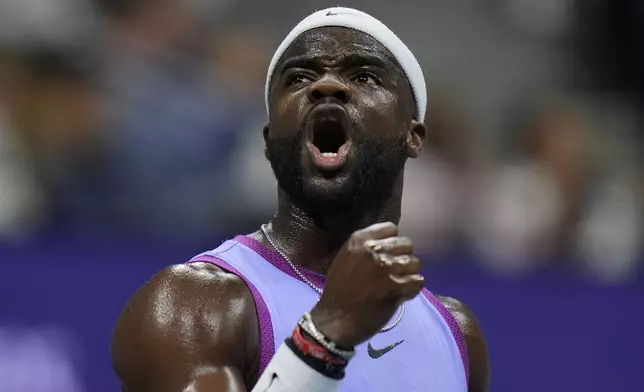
{"points": [[287, 373]]}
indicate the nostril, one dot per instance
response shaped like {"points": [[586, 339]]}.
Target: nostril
{"points": [[341, 95], [317, 94]]}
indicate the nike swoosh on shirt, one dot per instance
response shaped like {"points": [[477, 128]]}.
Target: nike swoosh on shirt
{"points": [[377, 353]]}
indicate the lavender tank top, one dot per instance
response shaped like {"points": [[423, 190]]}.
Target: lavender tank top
{"points": [[431, 358]]}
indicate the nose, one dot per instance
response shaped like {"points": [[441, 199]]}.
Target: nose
{"points": [[329, 87]]}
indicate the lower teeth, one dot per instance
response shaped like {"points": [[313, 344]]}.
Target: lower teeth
{"points": [[329, 154]]}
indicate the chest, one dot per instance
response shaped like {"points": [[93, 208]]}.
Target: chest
{"points": [[419, 354]]}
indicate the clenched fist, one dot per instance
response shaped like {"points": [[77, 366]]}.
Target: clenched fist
{"points": [[372, 275]]}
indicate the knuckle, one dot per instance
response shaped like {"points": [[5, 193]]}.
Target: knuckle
{"points": [[360, 234], [378, 230], [406, 242], [406, 260], [386, 227], [383, 261], [402, 260], [360, 237], [370, 242], [400, 241], [371, 245], [357, 247], [389, 225]]}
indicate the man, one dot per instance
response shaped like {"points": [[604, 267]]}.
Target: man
{"points": [[346, 102]]}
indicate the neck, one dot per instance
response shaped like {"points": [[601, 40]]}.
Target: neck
{"points": [[312, 239]]}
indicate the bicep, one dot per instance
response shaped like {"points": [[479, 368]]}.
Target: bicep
{"points": [[180, 334], [227, 379], [169, 367]]}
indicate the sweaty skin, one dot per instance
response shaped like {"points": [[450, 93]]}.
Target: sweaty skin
{"points": [[195, 328]]}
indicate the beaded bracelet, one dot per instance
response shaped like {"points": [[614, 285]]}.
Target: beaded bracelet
{"points": [[309, 327]]}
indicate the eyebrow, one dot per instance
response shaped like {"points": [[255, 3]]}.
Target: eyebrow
{"points": [[360, 60]]}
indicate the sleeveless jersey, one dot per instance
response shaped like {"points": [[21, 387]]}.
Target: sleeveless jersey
{"points": [[432, 355]]}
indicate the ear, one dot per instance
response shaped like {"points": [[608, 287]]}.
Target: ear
{"points": [[265, 135], [415, 138]]}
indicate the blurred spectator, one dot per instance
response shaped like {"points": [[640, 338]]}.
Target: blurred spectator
{"points": [[168, 131], [59, 24], [530, 206], [158, 129], [609, 242], [145, 117], [240, 57], [544, 19], [57, 120], [611, 233], [22, 202], [244, 71], [435, 183]]}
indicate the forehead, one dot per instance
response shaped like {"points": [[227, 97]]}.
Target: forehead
{"points": [[338, 42]]}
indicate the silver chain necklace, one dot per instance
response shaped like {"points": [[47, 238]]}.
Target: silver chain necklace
{"points": [[319, 290]]}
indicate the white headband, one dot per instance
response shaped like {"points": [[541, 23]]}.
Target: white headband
{"points": [[360, 21]]}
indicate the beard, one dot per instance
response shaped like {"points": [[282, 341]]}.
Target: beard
{"points": [[377, 165]]}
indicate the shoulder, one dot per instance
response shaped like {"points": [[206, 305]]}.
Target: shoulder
{"points": [[463, 314], [476, 346], [185, 316], [199, 290], [194, 281]]}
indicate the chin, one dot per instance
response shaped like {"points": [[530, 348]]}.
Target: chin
{"points": [[338, 190]]}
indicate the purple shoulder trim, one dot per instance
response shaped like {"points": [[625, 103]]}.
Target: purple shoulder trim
{"points": [[278, 261], [453, 326], [266, 339]]}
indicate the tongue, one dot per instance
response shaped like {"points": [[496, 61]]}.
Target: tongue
{"points": [[330, 160], [326, 156]]}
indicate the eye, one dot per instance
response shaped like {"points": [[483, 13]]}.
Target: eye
{"points": [[296, 79], [365, 78]]}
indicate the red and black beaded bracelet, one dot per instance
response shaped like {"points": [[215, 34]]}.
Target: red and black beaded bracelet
{"points": [[315, 355]]}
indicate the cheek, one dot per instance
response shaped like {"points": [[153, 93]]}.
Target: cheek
{"points": [[288, 113], [380, 107]]}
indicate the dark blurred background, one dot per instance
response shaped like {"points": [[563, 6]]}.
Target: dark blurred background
{"points": [[130, 139]]}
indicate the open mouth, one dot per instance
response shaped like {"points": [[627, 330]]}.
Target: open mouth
{"points": [[329, 143], [328, 137]]}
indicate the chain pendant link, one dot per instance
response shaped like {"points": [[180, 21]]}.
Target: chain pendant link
{"points": [[304, 279]]}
